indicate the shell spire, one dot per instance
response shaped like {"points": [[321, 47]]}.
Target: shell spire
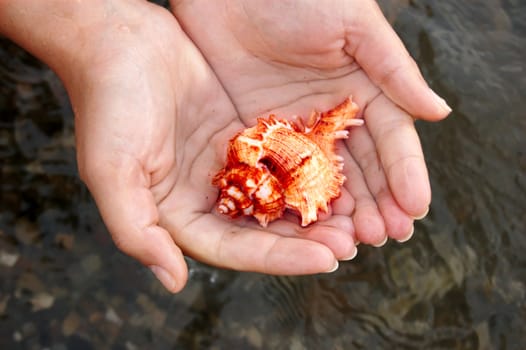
{"points": [[278, 164]]}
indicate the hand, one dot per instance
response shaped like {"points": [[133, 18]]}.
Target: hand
{"points": [[289, 57], [152, 126]]}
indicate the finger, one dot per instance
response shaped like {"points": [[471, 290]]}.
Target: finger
{"points": [[335, 232], [379, 51], [398, 224], [368, 222], [401, 155], [218, 242], [129, 211], [344, 204]]}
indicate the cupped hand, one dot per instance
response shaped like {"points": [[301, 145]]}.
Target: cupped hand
{"points": [[152, 125], [288, 57]]}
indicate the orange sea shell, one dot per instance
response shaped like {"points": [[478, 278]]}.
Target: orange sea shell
{"points": [[278, 165]]}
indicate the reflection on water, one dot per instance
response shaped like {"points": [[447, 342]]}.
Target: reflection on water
{"points": [[459, 283]]}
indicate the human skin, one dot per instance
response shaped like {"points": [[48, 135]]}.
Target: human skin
{"points": [[152, 120]]}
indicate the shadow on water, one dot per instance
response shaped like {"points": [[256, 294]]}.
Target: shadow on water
{"points": [[459, 283]]}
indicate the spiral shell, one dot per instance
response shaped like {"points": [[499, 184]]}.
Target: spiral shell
{"points": [[278, 165]]}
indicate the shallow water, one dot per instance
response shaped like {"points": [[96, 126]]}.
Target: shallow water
{"points": [[459, 283]]}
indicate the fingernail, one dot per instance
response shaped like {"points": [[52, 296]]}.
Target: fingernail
{"points": [[164, 276], [420, 217], [352, 256], [441, 103], [335, 267], [408, 237], [382, 243]]}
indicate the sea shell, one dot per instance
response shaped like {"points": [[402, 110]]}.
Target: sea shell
{"points": [[278, 165]]}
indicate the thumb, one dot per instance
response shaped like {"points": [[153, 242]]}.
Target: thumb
{"points": [[129, 211], [379, 51]]}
